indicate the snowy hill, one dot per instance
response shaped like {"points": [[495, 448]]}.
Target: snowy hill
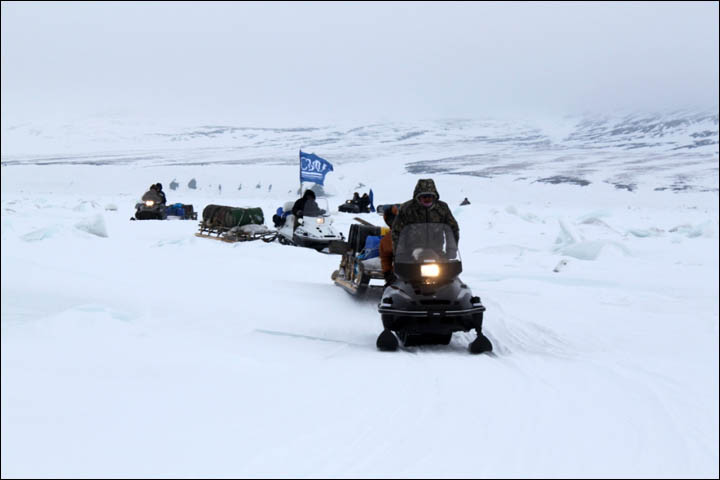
{"points": [[135, 349], [677, 150]]}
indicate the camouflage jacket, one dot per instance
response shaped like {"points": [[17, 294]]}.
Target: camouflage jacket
{"points": [[414, 212]]}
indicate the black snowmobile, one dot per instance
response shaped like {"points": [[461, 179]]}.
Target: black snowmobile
{"points": [[354, 206], [428, 302], [357, 204], [151, 207], [350, 206]]}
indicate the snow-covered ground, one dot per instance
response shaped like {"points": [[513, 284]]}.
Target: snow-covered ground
{"points": [[135, 349]]}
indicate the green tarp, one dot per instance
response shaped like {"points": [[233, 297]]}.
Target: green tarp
{"points": [[222, 216]]}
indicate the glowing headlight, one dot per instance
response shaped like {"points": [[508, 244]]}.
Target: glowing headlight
{"points": [[431, 270], [320, 220], [149, 203]]}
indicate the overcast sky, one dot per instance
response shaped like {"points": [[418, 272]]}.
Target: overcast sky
{"points": [[284, 63]]}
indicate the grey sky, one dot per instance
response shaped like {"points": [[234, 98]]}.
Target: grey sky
{"points": [[281, 63]]}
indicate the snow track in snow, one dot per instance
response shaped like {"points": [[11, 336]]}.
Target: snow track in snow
{"points": [[151, 352]]}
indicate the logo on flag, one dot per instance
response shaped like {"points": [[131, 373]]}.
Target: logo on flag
{"points": [[313, 168]]}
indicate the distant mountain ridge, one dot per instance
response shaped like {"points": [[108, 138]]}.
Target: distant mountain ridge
{"points": [[677, 150], [679, 130]]}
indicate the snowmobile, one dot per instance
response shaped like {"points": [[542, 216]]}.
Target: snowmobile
{"points": [[150, 207], [427, 302], [350, 207], [358, 204], [360, 260], [313, 230], [355, 206]]}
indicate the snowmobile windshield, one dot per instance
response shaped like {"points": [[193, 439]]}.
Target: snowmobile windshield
{"points": [[153, 196], [427, 243], [315, 208]]}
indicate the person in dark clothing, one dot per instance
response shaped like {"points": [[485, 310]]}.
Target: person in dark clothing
{"points": [[279, 217], [152, 195], [386, 249], [304, 204], [161, 194], [425, 207], [364, 203], [299, 205]]}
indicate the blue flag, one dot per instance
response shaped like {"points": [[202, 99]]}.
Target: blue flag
{"points": [[313, 168]]}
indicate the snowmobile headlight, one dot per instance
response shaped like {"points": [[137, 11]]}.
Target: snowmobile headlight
{"points": [[320, 220], [149, 203], [431, 270]]}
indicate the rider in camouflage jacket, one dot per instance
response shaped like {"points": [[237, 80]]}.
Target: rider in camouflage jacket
{"points": [[425, 210]]}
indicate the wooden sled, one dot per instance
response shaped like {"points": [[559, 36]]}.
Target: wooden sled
{"points": [[354, 274], [234, 234]]}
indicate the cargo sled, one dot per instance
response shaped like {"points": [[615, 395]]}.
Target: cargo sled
{"points": [[232, 224], [360, 260]]}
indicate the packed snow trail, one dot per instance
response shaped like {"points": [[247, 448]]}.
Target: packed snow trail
{"points": [[136, 349]]}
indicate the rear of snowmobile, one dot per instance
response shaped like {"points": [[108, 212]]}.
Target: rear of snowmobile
{"points": [[428, 302]]}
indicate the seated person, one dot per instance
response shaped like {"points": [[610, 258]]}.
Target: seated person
{"points": [[305, 205], [299, 205], [279, 217], [425, 207], [364, 203], [153, 195], [161, 194], [312, 209], [281, 214]]}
